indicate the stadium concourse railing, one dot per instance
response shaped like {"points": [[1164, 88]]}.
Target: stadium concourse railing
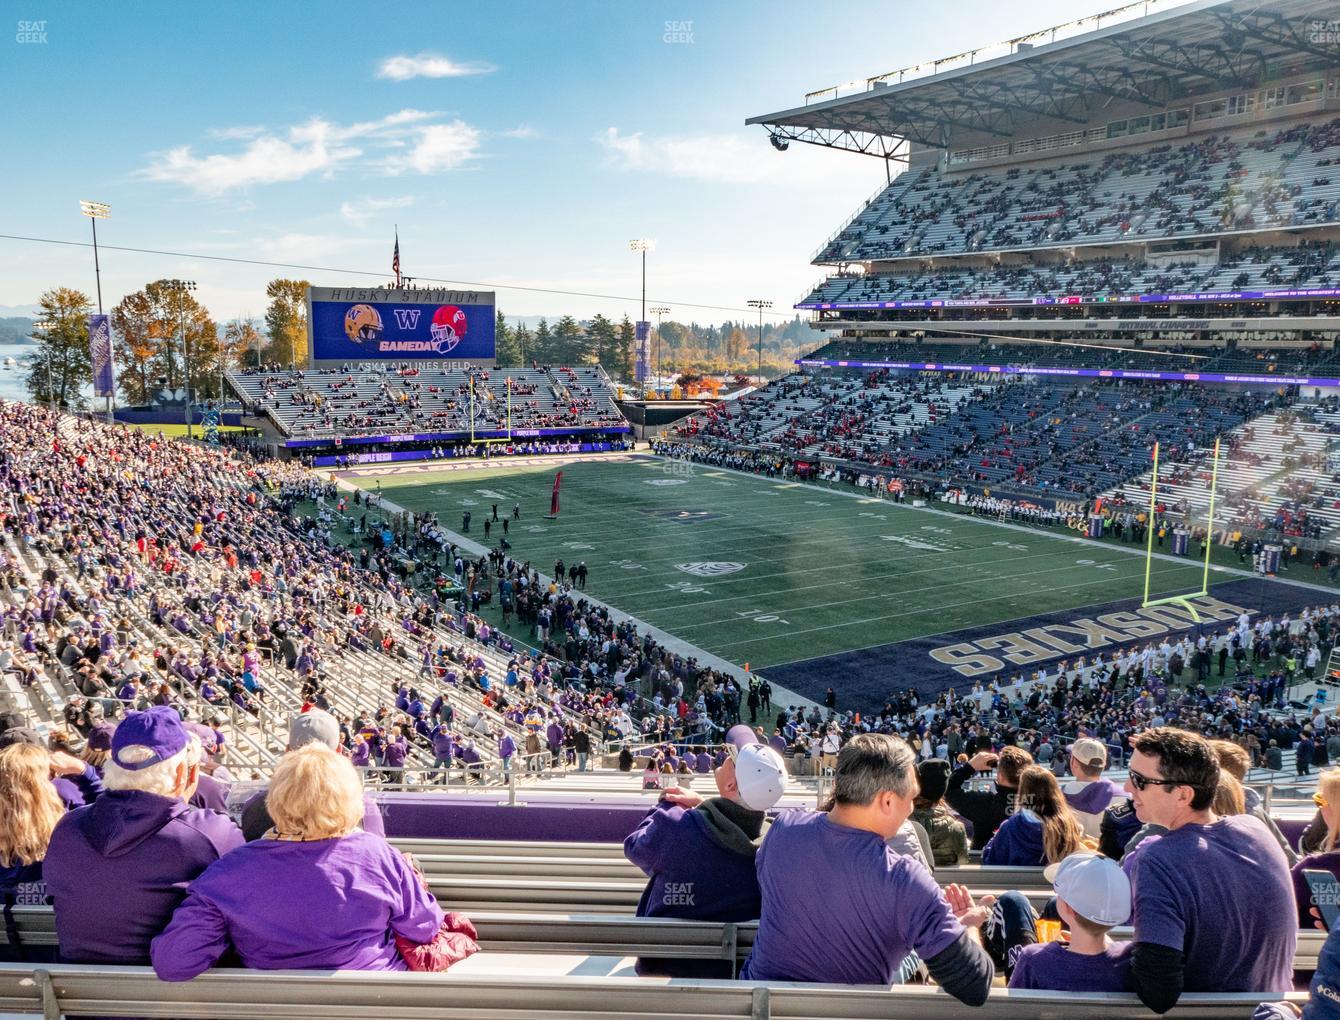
{"points": [[507, 986]]}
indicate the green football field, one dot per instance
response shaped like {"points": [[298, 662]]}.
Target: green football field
{"points": [[771, 572]]}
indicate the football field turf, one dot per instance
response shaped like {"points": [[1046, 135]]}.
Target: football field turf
{"points": [[772, 572]]}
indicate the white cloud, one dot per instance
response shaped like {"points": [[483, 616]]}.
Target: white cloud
{"points": [[316, 147], [439, 147], [521, 131], [242, 132], [428, 65], [364, 209], [743, 158]]}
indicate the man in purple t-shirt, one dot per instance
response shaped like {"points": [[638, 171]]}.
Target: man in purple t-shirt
{"points": [[872, 907], [1212, 900]]}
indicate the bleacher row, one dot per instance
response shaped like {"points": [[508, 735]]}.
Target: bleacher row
{"points": [[370, 399], [1274, 470], [1056, 438], [1245, 180], [1252, 268], [173, 622], [557, 915]]}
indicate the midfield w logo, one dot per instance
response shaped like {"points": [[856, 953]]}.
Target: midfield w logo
{"points": [[713, 568], [407, 318]]}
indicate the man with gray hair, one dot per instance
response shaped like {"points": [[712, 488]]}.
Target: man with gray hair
{"points": [[840, 906], [117, 868], [311, 727]]}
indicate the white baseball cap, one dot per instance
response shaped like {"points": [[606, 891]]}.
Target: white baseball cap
{"points": [[760, 773], [1095, 887]]}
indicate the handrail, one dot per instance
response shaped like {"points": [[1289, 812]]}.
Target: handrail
{"points": [[491, 986]]}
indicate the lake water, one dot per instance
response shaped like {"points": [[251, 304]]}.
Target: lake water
{"points": [[12, 386]]}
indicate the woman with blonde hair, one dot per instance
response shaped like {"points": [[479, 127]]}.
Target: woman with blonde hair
{"points": [[315, 892], [1043, 829], [1327, 858], [29, 811]]}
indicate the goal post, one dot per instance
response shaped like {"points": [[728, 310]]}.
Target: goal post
{"points": [[1183, 600]]}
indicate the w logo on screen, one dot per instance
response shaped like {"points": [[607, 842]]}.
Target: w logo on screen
{"points": [[407, 318]]}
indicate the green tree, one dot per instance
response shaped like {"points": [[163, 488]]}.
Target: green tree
{"points": [[571, 346], [506, 351], [604, 342], [241, 343], [525, 345], [544, 345], [626, 344], [60, 368], [736, 344], [286, 321]]}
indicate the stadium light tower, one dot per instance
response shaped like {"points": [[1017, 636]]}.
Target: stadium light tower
{"points": [[96, 211], [761, 305], [643, 245], [658, 311], [181, 288]]}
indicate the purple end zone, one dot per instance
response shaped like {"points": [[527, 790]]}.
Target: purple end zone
{"points": [[864, 679]]}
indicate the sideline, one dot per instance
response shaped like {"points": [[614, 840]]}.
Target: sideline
{"points": [[780, 695]]}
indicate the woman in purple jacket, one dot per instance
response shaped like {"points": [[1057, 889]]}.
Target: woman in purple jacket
{"points": [[315, 893]]}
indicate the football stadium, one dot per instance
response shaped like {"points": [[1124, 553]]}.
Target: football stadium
{"points": [[959, 636]]}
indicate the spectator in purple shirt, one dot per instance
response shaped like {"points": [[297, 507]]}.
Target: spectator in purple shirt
{"points": [[117, 868], [1093, 896], [1213, 906], [1089, 794], [316, 892], [698, 853], [873, 908]]}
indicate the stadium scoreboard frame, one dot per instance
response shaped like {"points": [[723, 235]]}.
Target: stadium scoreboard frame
{"points": [[437, 326]]}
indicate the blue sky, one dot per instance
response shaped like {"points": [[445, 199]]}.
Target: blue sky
{"points": [[514, 143]]}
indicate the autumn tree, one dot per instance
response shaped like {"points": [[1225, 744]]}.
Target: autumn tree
{"points": [[286, 321]]}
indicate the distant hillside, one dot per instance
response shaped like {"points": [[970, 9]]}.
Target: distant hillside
{"points": [[15, 330]]}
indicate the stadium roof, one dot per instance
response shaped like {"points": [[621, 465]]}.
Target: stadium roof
{"points": [[1153, 61]]}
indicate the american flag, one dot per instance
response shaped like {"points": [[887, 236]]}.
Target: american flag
{"points": [[395, 259]]}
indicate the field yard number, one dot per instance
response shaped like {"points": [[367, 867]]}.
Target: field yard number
{"points": [[758, 616], [815, 502], [469, 502], [1012, 546], [536, 528], [490, 494], [627, 565], [687, 588], [1096, 565], [577, 545], [938, 531], [870, 513]]}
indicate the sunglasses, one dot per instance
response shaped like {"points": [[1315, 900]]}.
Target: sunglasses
{"points": [[1140, 782], [1318, 800]]}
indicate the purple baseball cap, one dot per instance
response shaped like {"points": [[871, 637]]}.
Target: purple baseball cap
{"points": [[159, 729]]}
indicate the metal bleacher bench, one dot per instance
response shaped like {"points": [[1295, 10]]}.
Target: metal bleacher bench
{"points": [[588, 932], [502, 986]]}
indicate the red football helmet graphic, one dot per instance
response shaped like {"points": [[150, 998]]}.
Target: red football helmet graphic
{"points": [[447, 328]]}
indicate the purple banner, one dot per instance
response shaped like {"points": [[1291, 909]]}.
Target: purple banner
{"points": [[1095, 373], [642, 368], [1085, 299], [100, 353], [432, 437], [390, 456]]}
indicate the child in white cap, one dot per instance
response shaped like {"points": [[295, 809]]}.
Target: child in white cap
{"points": [[1093, 896]]}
